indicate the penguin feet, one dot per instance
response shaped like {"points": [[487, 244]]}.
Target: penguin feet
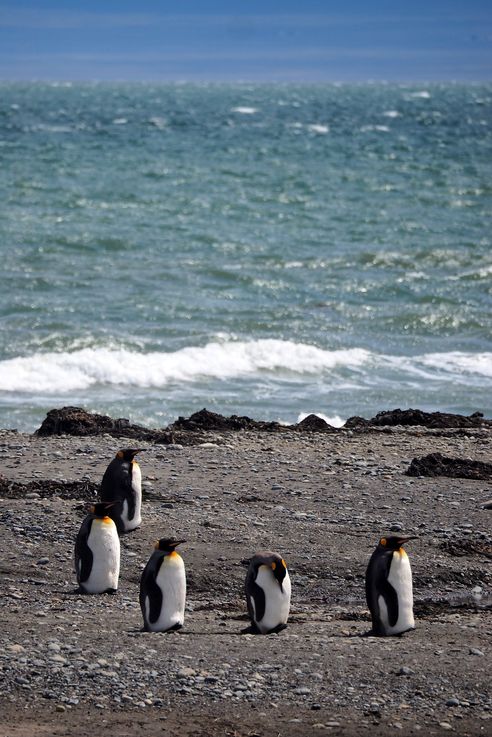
{"points": [[277, 629], [111, 591], [175, 628], [252, 629]]}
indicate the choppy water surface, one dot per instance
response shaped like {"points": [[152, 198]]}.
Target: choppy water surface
{"points": [[267, 250]]}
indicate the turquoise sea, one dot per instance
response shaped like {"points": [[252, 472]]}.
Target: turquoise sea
{"points": [[261, 250]]}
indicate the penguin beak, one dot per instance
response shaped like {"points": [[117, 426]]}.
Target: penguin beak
{"points": [[176, 543], [403, 540]]}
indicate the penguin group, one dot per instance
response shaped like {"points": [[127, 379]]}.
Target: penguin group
{"points": [[267, 586]]}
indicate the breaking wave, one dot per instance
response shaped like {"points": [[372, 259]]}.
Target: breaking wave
{"points": [[69, 371], [268, 359]]}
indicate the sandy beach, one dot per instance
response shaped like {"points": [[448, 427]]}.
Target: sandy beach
{"points": [[72, 664]]}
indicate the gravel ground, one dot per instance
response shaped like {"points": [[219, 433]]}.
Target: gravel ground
{"points": [[70, 664]]}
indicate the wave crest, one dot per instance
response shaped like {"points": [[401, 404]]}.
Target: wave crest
{"points": [[70, 371], [267, 359]]}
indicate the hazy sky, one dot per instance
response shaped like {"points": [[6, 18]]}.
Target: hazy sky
{"points": [[355, 40]]}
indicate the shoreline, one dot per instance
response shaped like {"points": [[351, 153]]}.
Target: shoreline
{"points": [[322, 499]]}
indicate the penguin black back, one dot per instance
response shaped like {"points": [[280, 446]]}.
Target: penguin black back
{"points": [[121, 484]]}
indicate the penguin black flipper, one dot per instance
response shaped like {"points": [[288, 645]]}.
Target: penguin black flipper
{"points": [[83, 553], [150, 589], [391, 600], [129, 492], [377, 585], [258, 611]]}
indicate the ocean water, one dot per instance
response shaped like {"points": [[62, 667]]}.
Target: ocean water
{"points": [[262, 250]]}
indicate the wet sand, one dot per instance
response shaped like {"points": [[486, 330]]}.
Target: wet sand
{"points": [[70, 664]]}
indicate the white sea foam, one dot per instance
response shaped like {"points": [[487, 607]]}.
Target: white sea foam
{"points": [[65, 372], [392, 114], [242, 110], [454, 366], [158, 122], [479, 364], [379, 128], [318, 128], [223, 360]]}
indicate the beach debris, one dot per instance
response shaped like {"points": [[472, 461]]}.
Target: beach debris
{"points": [[206, 420], [191, 430], [416, 417], [465, 546], [435, 464], [48, 487], [77, 421]]}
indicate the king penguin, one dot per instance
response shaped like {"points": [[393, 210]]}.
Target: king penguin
{"points": [[163, 588], [268, 592], [389, 588], [122, 484], [97, 552]]}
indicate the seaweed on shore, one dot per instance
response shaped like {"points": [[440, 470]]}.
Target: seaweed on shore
{"points": [[206, 420], [435, 464], [76, 421], [86, 490], [465, 546], [192, 430], [186, 430], [416, 417]]}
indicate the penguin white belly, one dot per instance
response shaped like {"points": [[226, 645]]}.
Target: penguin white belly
{"points": [[400, 578], [136, 521], [277, 600], [171, 580], [105, 546]]}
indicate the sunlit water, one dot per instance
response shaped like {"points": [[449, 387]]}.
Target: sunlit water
{"points": [[260, 250]]}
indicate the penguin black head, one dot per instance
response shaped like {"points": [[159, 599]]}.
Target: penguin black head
{"points": [[273, 561], [279, 568], [101, 509], [128, 454], [168, 544], [395, 542]]}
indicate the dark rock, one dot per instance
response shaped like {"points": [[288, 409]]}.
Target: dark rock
{"points": [[434, 420], [76, 421], [435, 464], [313, 423], [189, 431], [206, 420], [356, 423]]}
